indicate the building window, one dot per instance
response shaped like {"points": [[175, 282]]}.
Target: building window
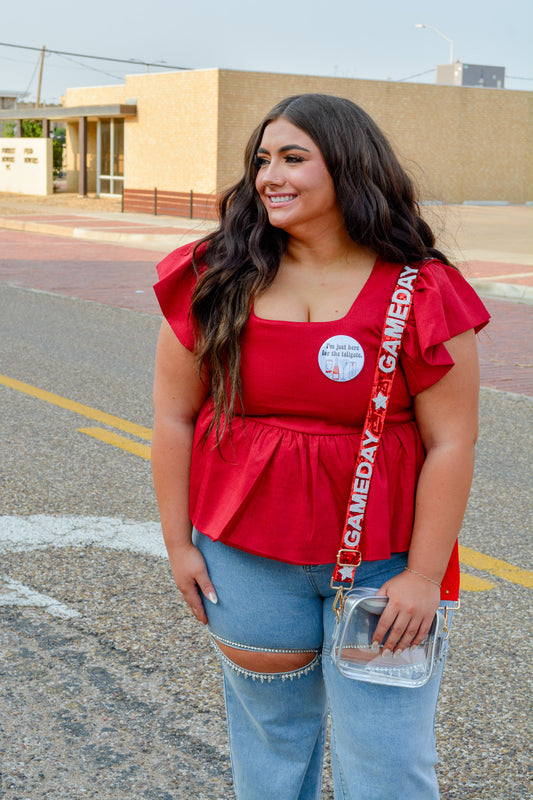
{"points": [[110, 156]]}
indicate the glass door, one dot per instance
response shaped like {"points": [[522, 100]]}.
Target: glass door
{"points": [[110, 156]]}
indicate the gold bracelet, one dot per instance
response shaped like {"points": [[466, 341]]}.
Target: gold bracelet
{"points": [[408, 569]]}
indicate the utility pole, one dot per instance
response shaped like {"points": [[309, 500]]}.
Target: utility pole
{"points": [[38, 101]]}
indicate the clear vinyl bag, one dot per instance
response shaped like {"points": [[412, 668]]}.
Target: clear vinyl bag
{"points": [[354, 657]]}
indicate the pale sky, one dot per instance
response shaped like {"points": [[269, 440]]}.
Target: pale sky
{"points": [[374, 39]]}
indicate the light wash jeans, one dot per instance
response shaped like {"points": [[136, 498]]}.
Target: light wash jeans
{"points": [[382, 738]]}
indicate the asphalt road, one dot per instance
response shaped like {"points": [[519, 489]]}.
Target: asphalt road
{"points": [[108, 688]]}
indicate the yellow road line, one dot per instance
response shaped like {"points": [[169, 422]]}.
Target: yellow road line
{"points": [[502, 569], [471, 583], [116, 440], [78, 408]]}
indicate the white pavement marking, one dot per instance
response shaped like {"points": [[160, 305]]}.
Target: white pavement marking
{"points": [[14, 593], [39, 531]]}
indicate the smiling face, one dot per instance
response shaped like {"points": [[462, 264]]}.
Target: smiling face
{"points": [[293, 181]]}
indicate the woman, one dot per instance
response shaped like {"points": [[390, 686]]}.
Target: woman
{"points": [[256, 429]]}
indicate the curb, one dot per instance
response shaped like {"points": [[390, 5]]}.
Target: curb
{"points": [[502, 291], [92, 234], [35, 227]]}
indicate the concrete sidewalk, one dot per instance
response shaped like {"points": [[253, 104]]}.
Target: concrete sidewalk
{"points": [[493, 245]]}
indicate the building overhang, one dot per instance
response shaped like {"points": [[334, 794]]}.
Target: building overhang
{"points": [[91, 113]]}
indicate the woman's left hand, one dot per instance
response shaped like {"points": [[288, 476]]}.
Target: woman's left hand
{"points": [[413, 602]]}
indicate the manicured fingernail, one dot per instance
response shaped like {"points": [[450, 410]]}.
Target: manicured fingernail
{"points": [[211, 596], [375, 646], [398, 653], [386, 653]]}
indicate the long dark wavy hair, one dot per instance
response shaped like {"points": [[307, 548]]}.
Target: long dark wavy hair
{"points": [[380, 211]]}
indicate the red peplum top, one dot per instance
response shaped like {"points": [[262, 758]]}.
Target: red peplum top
{"points": [[278, 487]]}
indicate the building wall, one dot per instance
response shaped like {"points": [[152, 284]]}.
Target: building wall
{"points": [[458, 143], [95, 95], [172, 142]]}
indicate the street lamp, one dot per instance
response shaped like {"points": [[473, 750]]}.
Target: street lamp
{"points": [[421, 25]]}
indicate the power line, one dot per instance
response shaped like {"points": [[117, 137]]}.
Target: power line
{"points": [[418, 75], [92, 69], [98, 58], [137, 62]]}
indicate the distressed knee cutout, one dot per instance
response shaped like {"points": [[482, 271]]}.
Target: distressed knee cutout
{"points": [[257, 661], [263, 664]]}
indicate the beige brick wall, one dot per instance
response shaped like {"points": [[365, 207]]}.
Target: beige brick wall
{"points": [[458, 143], [95, 95], [172, 142]]}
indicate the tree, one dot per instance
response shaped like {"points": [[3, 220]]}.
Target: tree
{"points": [[58, 146], [31, 129]]}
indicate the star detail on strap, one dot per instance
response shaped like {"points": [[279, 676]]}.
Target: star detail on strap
{"points": [[346, 572], [380, 401]]}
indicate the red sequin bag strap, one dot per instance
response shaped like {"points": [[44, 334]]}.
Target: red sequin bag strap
{"points": [[349, 556]]}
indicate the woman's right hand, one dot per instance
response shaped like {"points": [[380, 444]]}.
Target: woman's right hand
{"points": [[191, 576]]}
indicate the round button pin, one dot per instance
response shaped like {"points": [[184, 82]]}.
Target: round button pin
{"points": [[341, 358]]}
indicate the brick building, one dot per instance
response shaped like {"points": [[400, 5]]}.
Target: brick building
{"points": [[185, 131]]}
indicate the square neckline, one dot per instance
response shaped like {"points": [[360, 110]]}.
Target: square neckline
{"points": [[364, 288]]}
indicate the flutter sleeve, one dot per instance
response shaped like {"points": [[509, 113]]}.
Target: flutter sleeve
{"points": [[444, 306], [174, 290]]}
